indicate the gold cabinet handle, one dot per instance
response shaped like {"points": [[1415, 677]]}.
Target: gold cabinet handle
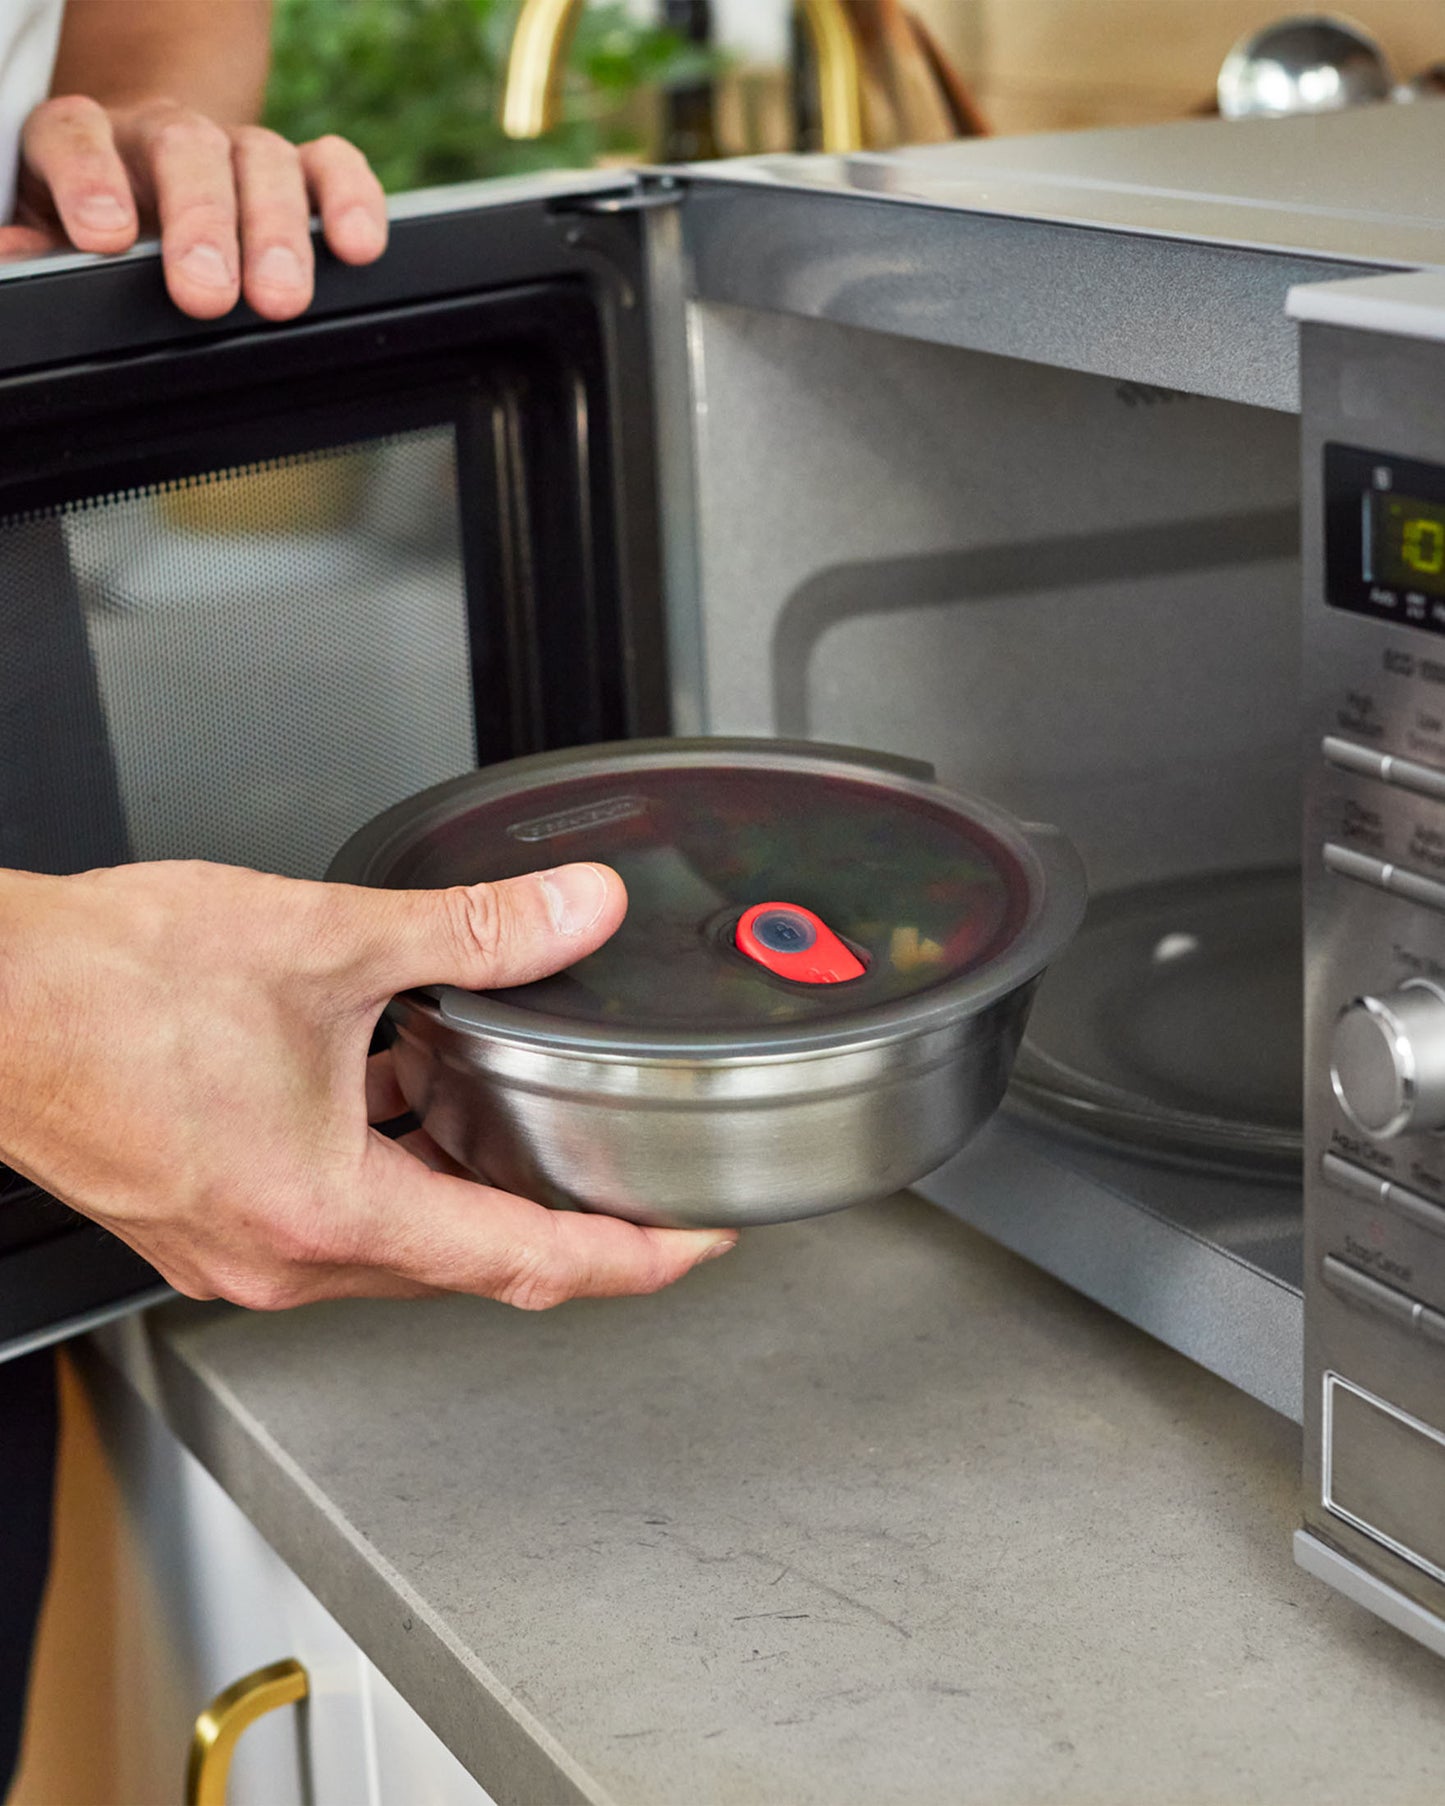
{"points": [[544, 28], [229, 1713]]}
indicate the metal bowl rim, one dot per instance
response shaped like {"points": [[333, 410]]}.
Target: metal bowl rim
{"points": [[650, 1054], [1057, 892]]}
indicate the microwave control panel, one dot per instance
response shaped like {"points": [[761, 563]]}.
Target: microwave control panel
{"points": [[1374, 860]]}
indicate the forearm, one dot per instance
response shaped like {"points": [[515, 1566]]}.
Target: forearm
{"points": [[184, 1059], [209, 56]]}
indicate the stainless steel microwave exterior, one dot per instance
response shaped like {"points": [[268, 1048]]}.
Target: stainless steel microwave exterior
{"points": [[1107, 636], [1372, 384], [989, 455]]}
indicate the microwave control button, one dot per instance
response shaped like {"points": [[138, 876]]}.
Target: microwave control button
{"points": [[1349, 864], [1387, 1060], [1417, 888], [1414, 1205], [1349, 1282], [1431, 1325], [1397, 879], [1361, 759], [1359, 1181], [1404, 774], [1424, 780], [1370, 1188]]}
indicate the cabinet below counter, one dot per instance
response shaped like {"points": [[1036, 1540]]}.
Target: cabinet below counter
{"points": [[211, 1605], [868, 1512]]}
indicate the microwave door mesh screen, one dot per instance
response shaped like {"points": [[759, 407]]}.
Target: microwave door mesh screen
{"points": [[243, 668]]}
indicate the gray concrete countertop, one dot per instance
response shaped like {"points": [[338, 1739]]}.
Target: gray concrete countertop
{"points": [[868, 1512]]}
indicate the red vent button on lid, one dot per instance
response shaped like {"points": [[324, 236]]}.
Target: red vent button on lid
{"points": [[796, 944]]}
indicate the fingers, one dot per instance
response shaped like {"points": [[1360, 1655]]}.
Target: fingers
{"points": [[452, 1234], [278, 268], [209, 184], [188, 164], [479, 935], [421, 1147], [70, 153], [348, 197], [415, 1230], [384, 1101], [233, 206]]}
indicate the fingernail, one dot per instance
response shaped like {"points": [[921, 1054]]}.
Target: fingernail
{"points": [[207, 265], [279, 267], [716, 1249], [103, 211], [575, 897], [362, 228]]}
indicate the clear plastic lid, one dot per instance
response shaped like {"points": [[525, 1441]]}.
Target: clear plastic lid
{"points": [[917, 888]]}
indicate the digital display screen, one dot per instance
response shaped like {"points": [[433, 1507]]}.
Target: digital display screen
{"points": [[1385, 537], [1409, 543]]}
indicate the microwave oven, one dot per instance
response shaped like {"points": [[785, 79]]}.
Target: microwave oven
{"points": [[1008, 456]]}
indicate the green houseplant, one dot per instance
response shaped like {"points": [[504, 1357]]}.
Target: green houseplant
{"points": [[417, 84]]}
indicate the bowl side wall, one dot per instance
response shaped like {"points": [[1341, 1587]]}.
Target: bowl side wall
{"points": [[685, 1147]]}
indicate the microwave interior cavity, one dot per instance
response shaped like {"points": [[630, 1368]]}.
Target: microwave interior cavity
{"points": [[1078, 595]]}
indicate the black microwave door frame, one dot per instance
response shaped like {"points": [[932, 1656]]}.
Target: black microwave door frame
{"points": [[524, 322], [518, 377], [546, 372]]}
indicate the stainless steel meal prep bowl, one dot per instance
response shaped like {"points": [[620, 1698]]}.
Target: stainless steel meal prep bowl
{"points": [[670, 1079]]}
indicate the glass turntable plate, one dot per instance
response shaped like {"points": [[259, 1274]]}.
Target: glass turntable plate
{"points": [[1174, 1022]]}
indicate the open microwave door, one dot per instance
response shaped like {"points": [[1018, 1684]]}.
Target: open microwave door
{"points": [[259, 582]]}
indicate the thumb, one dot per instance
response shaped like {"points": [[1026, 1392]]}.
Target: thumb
{"points": [[485, 936]]}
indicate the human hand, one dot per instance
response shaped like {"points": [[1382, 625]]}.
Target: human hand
{"points": [[232, 203], [184, 1059]]}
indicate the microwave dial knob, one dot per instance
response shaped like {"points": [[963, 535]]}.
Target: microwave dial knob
{"points": [[1387, 1062]]}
